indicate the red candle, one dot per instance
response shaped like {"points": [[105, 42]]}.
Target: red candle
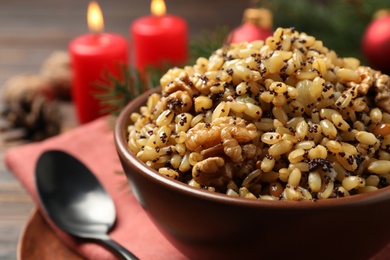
{"points": [[159, 38], [93, 56]]}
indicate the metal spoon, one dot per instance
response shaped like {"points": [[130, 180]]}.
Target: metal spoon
{"points": [[75, 199]]}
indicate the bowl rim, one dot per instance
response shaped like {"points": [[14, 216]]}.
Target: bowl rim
{"points": [[120, 139]]}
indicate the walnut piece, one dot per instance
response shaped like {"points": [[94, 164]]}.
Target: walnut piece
{"points": [[212, 172], [367, 79], [179, 101], [202, 83], [378, 82], [382, 99], [183, 83], [230, 131]]}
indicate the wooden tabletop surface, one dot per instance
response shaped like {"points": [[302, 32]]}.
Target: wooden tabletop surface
{"points": [[31, 30]]}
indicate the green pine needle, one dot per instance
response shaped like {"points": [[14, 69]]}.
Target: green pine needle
{"points": [[210, 42], [115, 92]]}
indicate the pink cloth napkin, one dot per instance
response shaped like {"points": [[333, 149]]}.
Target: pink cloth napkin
{"points": [[93, 144]]}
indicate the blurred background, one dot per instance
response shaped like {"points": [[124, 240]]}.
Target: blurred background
{"points": [[31, 30]]}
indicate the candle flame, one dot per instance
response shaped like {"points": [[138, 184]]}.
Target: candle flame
{"points": [[95, 17], [157, 7]]}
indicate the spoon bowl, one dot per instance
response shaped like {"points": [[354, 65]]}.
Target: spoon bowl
{"points": [[75, 200]]}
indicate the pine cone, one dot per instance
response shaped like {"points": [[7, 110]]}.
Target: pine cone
{"points": [[27, 105], [57, 69], [26, 87]]}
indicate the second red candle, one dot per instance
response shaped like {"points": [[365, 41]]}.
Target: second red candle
{"points": [[158, 40]]}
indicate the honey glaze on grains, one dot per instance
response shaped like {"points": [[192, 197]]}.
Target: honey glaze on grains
{"points": [[280, 119]]}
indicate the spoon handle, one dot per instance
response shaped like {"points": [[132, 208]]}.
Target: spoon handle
{"points": [[119, 250]]}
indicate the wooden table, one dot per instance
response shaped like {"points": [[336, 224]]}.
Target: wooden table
{"points": [[31, 30]]}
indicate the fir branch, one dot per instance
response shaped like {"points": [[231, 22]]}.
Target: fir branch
{"points": [[115, 92], [208, 43]]}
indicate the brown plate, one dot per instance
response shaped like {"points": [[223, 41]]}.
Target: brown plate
{"points": [[38, 241]]}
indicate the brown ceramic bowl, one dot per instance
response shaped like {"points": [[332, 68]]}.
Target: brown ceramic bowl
{"points": [[207, 225]]}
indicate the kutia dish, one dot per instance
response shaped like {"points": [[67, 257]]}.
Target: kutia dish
{"points": [[284, 120], [264, 150]]}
